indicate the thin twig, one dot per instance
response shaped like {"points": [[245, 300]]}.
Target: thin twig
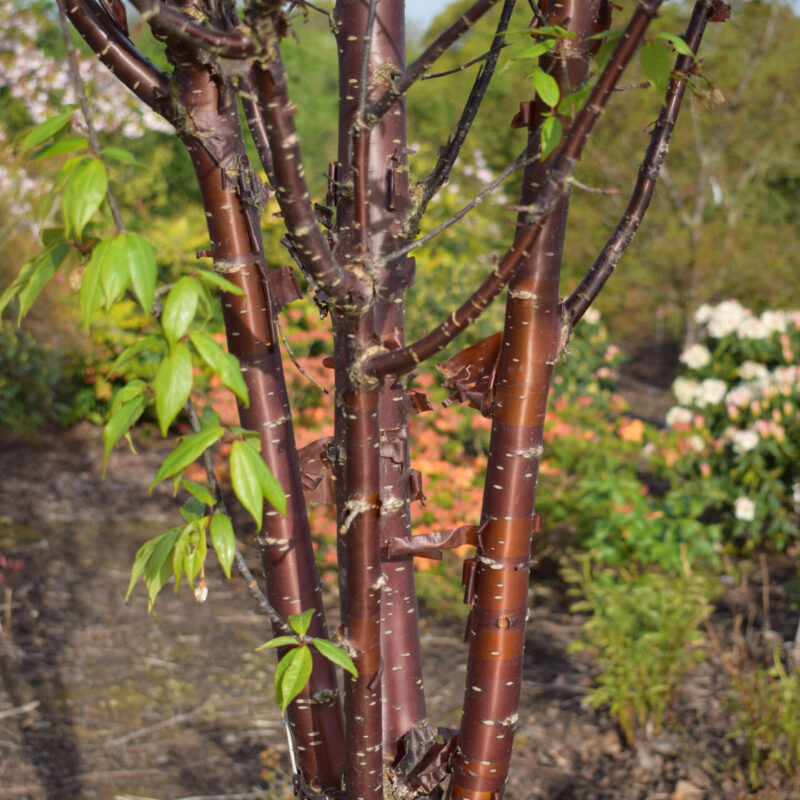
{"points": [[292, 356], [519, 162], [537, 12], [241, 564], [467, 65], [26, 709], [80, 93]]}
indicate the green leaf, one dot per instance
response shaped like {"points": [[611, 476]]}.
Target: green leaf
{"points": [[245, 483], [193, 509], [71, 144], [120, 422], [223, 541], [121, 154], [656, 65], [172, 385], [278, 641], [43, 131], [139, 564], [551, 136], [575, 100], [218, 282], [606, 49], [678, 44], [196, 557], [65, 170], [179, 553], [225, 365], [115, 274], [47, 264], [200, 491], [151, 342], [159, 566], [291, 675], [83, 194], [546, 87], [141, 260], [335, 654], [252, 482], [534, 50], [179, 308], [187, 452], [91, 281], [299, 622]]}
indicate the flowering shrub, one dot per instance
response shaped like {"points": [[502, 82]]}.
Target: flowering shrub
{"points": [[738, 420]]}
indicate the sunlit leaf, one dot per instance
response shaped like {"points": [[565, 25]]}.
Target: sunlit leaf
{"points": [[546, 87], [218, 282], [172, 385], [71, 144], [246, 485], [139, 564], [120, 422], [292, 675], [336, 655], [678, 44], [225, 365], [91, 281], [141, 260], [179, 308], [187, 452], [115, 274], [121, 154], [43, 131], [152, 342], [278, 641], [551, 135], [656, 65], [200, 491], [223, 541], [299, 622], [84, 193]]}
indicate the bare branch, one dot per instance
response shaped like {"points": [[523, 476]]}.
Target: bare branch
{"points": [[403, 360], [579, 301], [443, 41], [116, 51], [255, 122], [471, 63], [447, 158]]}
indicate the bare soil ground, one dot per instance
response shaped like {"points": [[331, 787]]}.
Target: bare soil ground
{"points": [[100, 700]]}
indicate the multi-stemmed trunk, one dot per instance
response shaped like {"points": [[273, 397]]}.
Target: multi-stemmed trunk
{"points": [[354, 271]]}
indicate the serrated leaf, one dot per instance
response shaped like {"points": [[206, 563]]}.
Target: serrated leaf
{"points": [[91, 283], [678, 44], [200, 491], [187, 452], [159, 565], [225, 365], [218, 282], [551, 136], [224, 541], [278, 641], [196, 557], [84, 193], [71, 144], [172, 385], [43, 131], [179, 308], [546, 87], [115, 274], [291, 675], [656, 65], [179, 553], [119, 423], [121, 154], [141, 260], [153, 341], [336, 655], [299, 622]]}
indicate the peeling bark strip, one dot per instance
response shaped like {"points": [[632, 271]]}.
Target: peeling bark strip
{"points": [[516, 399]]}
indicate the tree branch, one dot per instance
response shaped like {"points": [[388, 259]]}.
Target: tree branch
{"points": [[402, 83], [116, 51], [555, 185], [231, 44], [586, 292], [441, 172]]}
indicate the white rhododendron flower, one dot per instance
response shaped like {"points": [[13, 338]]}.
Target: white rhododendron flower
{"points": [[685, 391], [703, 314], [712, 390], [696, 356], [775, 321], [592, 316], [678, 415], [753, 328], [744, 508], [744, 440], [752, 370], [796, 496], [726, 318], [740, 396]]}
